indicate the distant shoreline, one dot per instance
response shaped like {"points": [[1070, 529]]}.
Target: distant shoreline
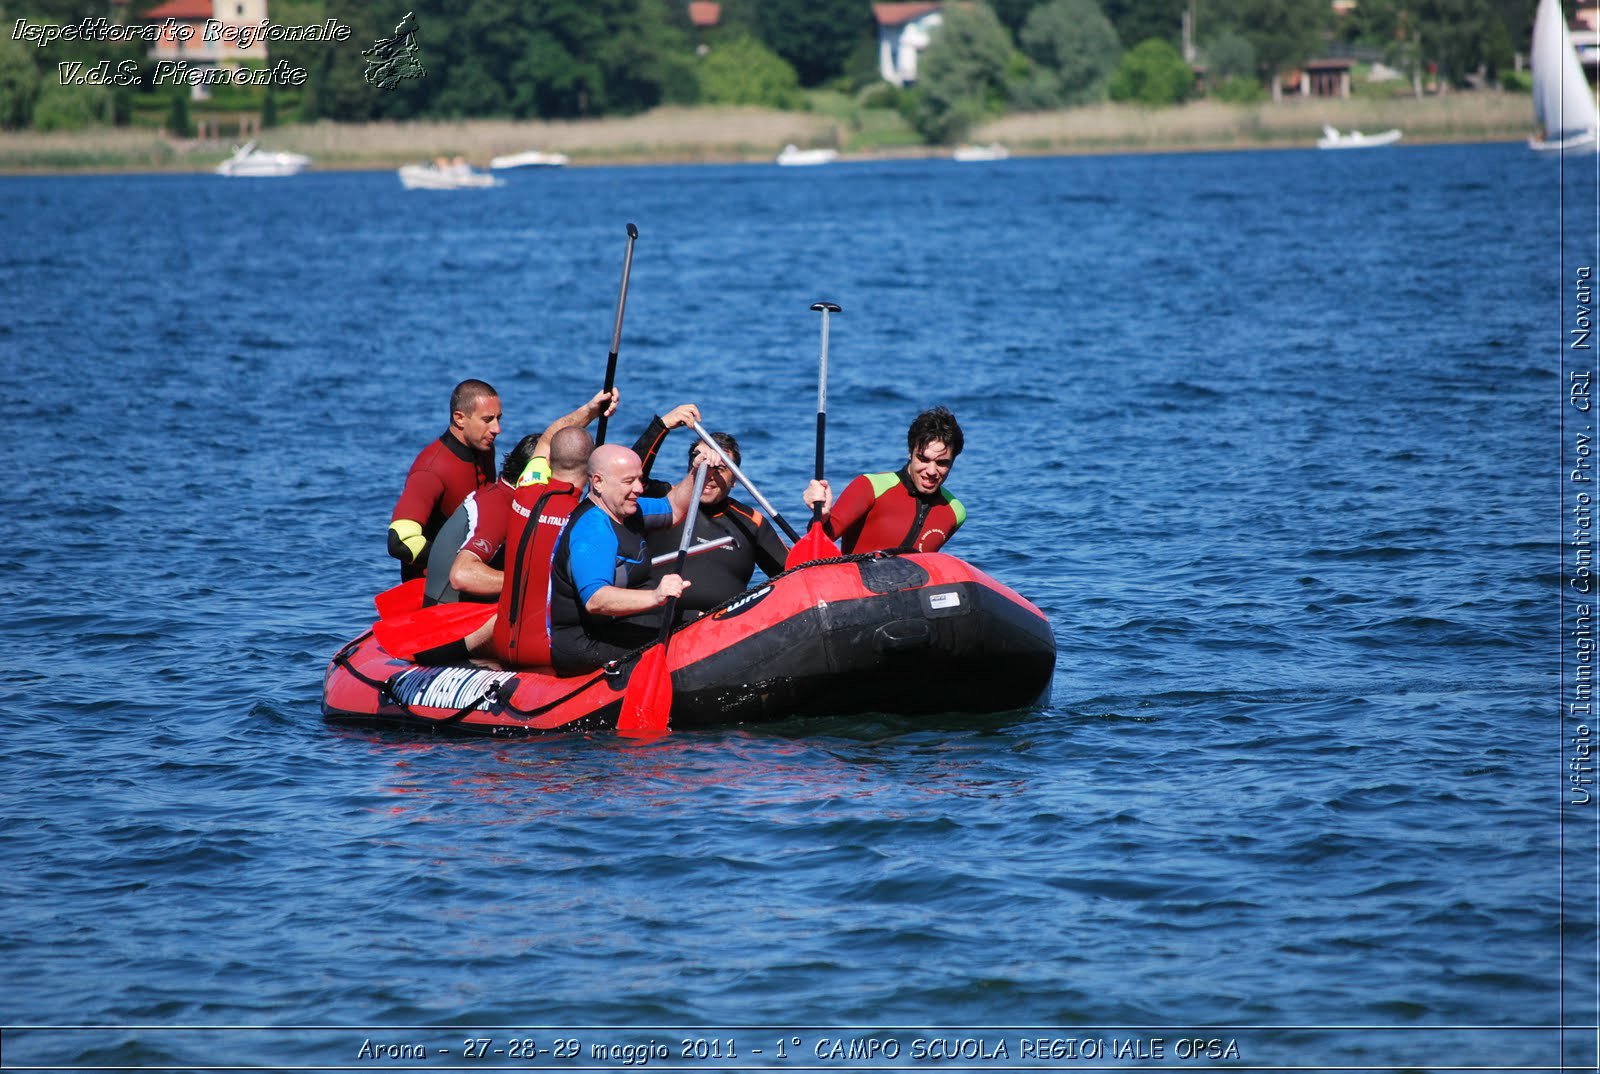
{"points": [[748, 135]]}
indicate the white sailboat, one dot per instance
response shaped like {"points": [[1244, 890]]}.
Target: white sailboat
{"points": [[1563, 100]]}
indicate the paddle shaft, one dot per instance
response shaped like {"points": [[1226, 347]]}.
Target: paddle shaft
{"points": [[703, 546], [616, 329], [738, 475], [823, 308], [671, 607]]}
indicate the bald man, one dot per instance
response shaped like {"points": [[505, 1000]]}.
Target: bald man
{"points": [[602, 562]]}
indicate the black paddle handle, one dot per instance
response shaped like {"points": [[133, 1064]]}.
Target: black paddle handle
{"points": [[616, 329], [822, 435]]}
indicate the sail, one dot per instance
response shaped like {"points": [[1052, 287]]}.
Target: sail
{"points": [[1563, 101]]}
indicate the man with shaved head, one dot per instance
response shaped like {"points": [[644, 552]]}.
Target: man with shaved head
{"points": [[540, 509], [602, 562]]}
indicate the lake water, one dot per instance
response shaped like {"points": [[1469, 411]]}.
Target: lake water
{"points": [[1283, 443]]}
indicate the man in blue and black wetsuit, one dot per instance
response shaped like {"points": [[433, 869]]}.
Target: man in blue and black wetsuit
{"points": [[602, 561]]}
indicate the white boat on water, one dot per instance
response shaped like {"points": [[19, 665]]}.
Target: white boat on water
{"points": [[793, 156], [970, 153], [1563, 100], [445, 175], [249, 162], [533, 158], [1333, 139]]}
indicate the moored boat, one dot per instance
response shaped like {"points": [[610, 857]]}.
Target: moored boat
{"points": [[794, 156], [533, 158], [967, 154], [1332, 138], [913, 634], [249, 162]]}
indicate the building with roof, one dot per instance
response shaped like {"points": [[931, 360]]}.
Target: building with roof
{"points": [[904, 30], [204, 33]]}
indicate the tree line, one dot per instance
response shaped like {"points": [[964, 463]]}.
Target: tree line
{"points": [[568, 59]]}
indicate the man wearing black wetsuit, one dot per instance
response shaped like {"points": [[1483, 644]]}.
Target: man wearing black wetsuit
{"points": [[726, 571]]}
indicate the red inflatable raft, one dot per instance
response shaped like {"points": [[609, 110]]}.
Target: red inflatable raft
{"points": [[908, 634]]}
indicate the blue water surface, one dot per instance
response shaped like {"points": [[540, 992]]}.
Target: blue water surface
{"points": [[1274, 439]]}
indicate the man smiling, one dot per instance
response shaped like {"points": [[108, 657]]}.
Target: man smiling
{"points": [[907, 510], [602, 562]]}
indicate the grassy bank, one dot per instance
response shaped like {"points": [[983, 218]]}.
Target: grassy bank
{"points": [[1456, 117], [744, 134]]}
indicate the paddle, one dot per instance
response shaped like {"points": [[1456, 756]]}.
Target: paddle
{"points": [[616, 330], [816, 544], [648, 703], [408, 634], [397, 600], [738, 475]]}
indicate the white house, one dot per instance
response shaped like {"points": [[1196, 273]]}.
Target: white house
{"points": [[904, 30], [187, 23]]}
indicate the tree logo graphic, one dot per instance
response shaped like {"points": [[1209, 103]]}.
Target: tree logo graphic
{"points": [[391, 60]]}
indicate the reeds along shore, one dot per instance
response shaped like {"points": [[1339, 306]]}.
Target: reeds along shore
{"points": [[737, 134]]}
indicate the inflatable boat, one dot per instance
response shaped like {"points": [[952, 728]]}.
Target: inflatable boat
{"points": [[908, 634]]}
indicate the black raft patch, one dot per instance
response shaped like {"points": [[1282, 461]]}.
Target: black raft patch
{"points": [[743, 604]]}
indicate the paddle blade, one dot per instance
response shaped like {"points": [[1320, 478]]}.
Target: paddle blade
{"points": [[813, 544], [403, 598], [407, 635], [647, 705]]}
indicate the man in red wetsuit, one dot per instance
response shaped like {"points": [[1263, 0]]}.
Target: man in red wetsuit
{"points": [[907, 510], [465, 562], [444, 473], [520, 629]]}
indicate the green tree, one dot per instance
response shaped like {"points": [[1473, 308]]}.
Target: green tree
{"points": [[70, 108], [1013, 14], [1230, 62], [1076, 41], [646, 58], [1284, 33], [19, 83], [814, 36], [1152, 74], [962, 74], [1140, 20], [1498, 55], [741, 70], [1453, 34], [178, 124], [1229, 54]]}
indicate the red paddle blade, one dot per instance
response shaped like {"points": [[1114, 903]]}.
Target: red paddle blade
{"points": [[813, 544], [407, 635], [648, 703], [403, 598]]}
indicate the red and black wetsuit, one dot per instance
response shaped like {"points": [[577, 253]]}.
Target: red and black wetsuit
{"points": [[477, 526], [879, 512], [538, 515], [443, 475]]}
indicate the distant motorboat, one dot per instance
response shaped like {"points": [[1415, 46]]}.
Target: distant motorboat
{"points": [[248, 162], [1332, 139], [445, 175], [1563, 100], [969, 153], [793, 155], [533, 158]]}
